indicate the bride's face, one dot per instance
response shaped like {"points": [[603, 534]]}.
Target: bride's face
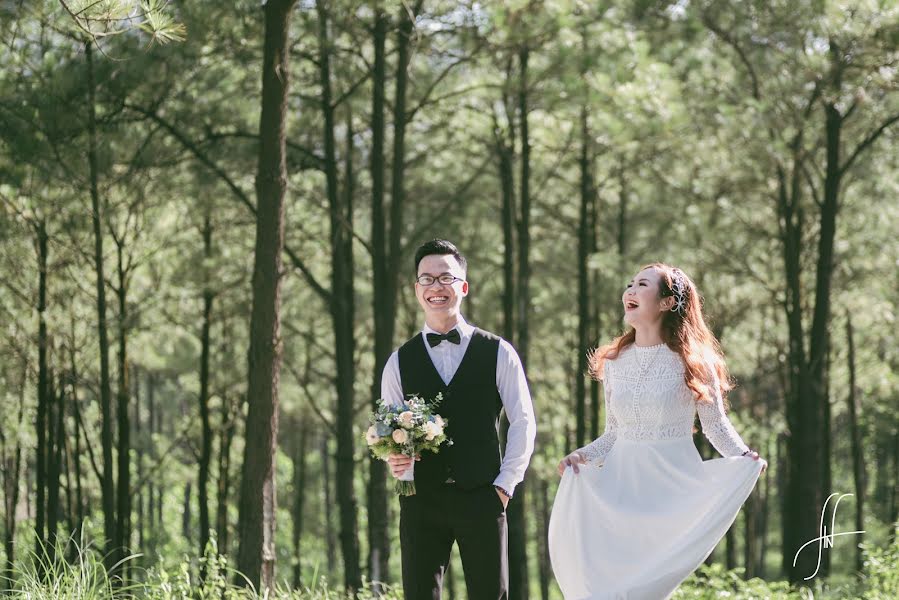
{"points": [[642, 304]]}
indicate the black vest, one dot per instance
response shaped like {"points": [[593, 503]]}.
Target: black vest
{"points": [[471, 405]]}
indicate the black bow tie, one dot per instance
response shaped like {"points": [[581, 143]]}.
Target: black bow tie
{"points": [[452, 336]]}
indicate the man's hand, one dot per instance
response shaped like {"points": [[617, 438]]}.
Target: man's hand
{"points": [[399, 463], [572, 460], [502, 498]]}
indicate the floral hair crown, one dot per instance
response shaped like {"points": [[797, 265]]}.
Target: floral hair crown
{"points": [[679, 289]]}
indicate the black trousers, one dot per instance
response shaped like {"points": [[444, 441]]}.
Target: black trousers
{"points": [[434, 518]]}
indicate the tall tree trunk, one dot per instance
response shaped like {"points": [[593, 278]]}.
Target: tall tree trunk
{"points": [[764, 518], [299, 496], [583, 282], [819, 343], [407, 17], [542, 508], [595, 314], [256, 515], [342, 316], [223, 488], [386, 251], [123, 488], [383, 305], [12, 466], [750, 535], [160, 490], [505, 149], [858, 465], [108, 484], [186, 530], [76, 455], [43, 395], [203, 399], [139, 445], [518, 559], [54, 472], [623, 202], [800, 443], [894, 493], [730, 554], [330, 542], [151, 450]]}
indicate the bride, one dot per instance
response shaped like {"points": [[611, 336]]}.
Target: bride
{"points": [[638, 509]]}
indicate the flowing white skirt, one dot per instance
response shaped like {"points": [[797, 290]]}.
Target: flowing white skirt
{"points": [[639, 525]]}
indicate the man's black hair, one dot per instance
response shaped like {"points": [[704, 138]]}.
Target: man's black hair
{"points": [[441, 247]]}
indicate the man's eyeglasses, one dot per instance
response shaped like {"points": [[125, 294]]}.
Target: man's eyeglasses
{"points": [[445, 279]]}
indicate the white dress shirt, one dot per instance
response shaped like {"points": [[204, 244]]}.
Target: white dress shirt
{"points": [[510, 382]]}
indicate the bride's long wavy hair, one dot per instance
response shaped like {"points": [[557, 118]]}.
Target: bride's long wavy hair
{"points": [[685, 332]]}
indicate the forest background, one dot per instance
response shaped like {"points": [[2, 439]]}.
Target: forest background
{"points": [[207, 218]]}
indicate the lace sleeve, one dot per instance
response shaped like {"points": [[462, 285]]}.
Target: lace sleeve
{"points": [[716, 427], [595, 452]]}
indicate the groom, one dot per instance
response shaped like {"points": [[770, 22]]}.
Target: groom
{"points": [[463, 490]]}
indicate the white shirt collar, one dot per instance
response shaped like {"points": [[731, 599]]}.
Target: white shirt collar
{"points": [[464, 328]]}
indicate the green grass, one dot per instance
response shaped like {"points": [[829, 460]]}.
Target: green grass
{"points": [[880, 582], [84, 577]]}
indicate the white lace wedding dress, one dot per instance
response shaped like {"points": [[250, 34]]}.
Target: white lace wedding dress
{"points": [[647, 510]]}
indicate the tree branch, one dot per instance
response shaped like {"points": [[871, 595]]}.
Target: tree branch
{"points": [[323, 293], [866, 143]]}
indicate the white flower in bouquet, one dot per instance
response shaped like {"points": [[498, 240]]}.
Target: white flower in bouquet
{"points": [[440, 423], [400, 436], [432, 430], [371, 436], [406, 419]]}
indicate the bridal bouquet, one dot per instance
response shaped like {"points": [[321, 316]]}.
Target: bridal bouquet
{"points": [[408, 428]]}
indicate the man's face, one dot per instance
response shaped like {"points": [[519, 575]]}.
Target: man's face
{"points": [[441, 300]]}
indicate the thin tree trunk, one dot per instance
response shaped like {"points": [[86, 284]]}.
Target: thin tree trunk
{"points": [[750, 535], [151, 449], [595, 314], [160, 490], [123, 489], [330, 542], [342, 316], [226, 436], [108, 485], [623, 201], [858, 465], [76, 455], [203, 399], [730, 553], [12, 466], [583, 283], [383, 305], [542, 508], [894, 493], [299, 497], [54, 472], [518, 559], [504, 145], [764, 512], [256, 520], [407, 17], [43, 396], [140, 443], [186, 529]]}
